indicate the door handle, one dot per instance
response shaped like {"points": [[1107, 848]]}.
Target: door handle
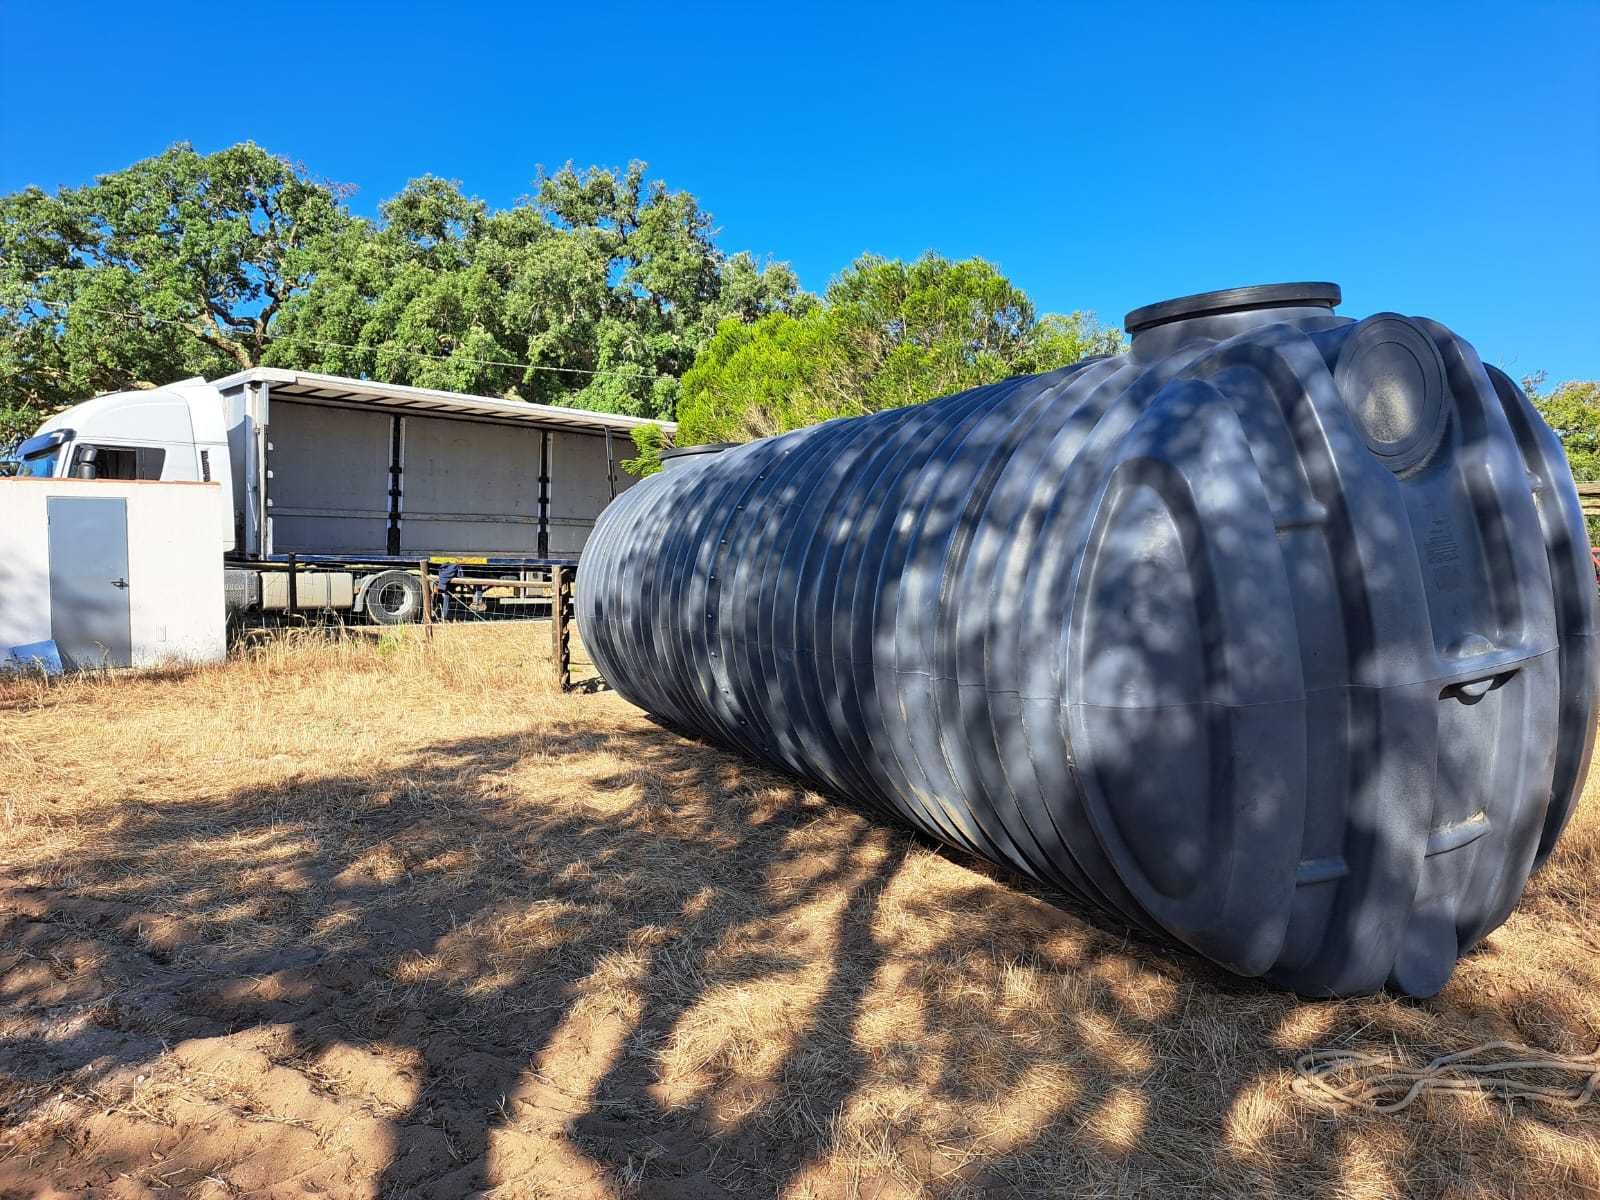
{"points": [[119, 583]]}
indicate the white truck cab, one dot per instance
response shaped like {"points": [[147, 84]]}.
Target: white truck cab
{"points": [[176, 432]]}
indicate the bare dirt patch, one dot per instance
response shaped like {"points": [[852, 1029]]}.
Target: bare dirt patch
{"points": [[390, 920]]}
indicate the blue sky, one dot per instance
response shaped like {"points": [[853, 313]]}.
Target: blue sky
{"points": [[1438, 160]]}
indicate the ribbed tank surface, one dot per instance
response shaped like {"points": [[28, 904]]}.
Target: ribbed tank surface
{"points": [[1273, 634]]}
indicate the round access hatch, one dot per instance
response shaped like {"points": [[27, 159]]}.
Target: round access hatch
{"points": [[1232, 300], [1392, 378]]}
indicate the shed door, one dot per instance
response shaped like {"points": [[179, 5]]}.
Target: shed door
{"points": [[89, 580]]}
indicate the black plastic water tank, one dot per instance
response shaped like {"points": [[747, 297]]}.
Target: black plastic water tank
{"points": [[1273, 634]]}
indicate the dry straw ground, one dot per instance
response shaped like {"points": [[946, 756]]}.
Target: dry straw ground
{"points": [[357, 920]]}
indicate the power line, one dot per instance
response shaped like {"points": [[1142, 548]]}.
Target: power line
{"points": [[374, 350]]}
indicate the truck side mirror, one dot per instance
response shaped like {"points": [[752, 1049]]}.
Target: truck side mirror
{"points": [[83, 466]]}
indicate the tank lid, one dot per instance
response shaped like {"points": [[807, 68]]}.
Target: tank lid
{"points": [[704, 448], [1231, 300]]}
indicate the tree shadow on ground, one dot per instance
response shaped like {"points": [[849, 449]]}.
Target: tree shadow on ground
{"points": [[595, 961]]}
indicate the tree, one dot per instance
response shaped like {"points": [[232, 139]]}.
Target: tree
{"points": [[177, 266], [1573, 411], [650, 442], [889, 333], [597, 293]]}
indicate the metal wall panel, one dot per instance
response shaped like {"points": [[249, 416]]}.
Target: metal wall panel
{"points": [[466, 487], [469, 488], [578, 487], [90, 612], [330, 479]]}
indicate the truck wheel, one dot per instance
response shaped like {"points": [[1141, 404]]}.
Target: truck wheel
{"points": [[393, 598]]}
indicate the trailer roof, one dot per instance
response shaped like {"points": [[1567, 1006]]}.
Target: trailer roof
{"points": [[340, 389]]}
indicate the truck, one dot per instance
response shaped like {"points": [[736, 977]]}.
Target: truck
{"points": [[344, 490]]}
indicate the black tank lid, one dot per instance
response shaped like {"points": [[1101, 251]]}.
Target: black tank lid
{"points": [[703, 448], [1231, 300]]}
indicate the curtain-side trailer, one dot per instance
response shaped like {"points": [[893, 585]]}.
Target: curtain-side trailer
{"points": [[352, 482]]}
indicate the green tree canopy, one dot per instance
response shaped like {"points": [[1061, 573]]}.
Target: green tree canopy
{"points": [[888, 333], [596, 292], [206, 249], [1572, 409]]}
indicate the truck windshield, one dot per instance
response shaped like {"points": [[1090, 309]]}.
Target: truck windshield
{"points": [[38, 455], [42, 466]]}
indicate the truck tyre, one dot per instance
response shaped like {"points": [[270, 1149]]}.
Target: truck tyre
{"points": [[393, 598]]}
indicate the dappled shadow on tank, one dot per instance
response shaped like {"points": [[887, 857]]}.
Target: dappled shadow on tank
{"points": [[1271, 635]]}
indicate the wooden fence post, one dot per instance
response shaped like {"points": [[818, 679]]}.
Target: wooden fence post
{"points": [[427, 601], [560, 629]]}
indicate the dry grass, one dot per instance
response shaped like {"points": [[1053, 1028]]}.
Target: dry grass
{"points": [[357, 919]]}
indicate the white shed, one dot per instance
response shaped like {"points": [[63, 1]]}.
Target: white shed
{"points": [[114, 573]]}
